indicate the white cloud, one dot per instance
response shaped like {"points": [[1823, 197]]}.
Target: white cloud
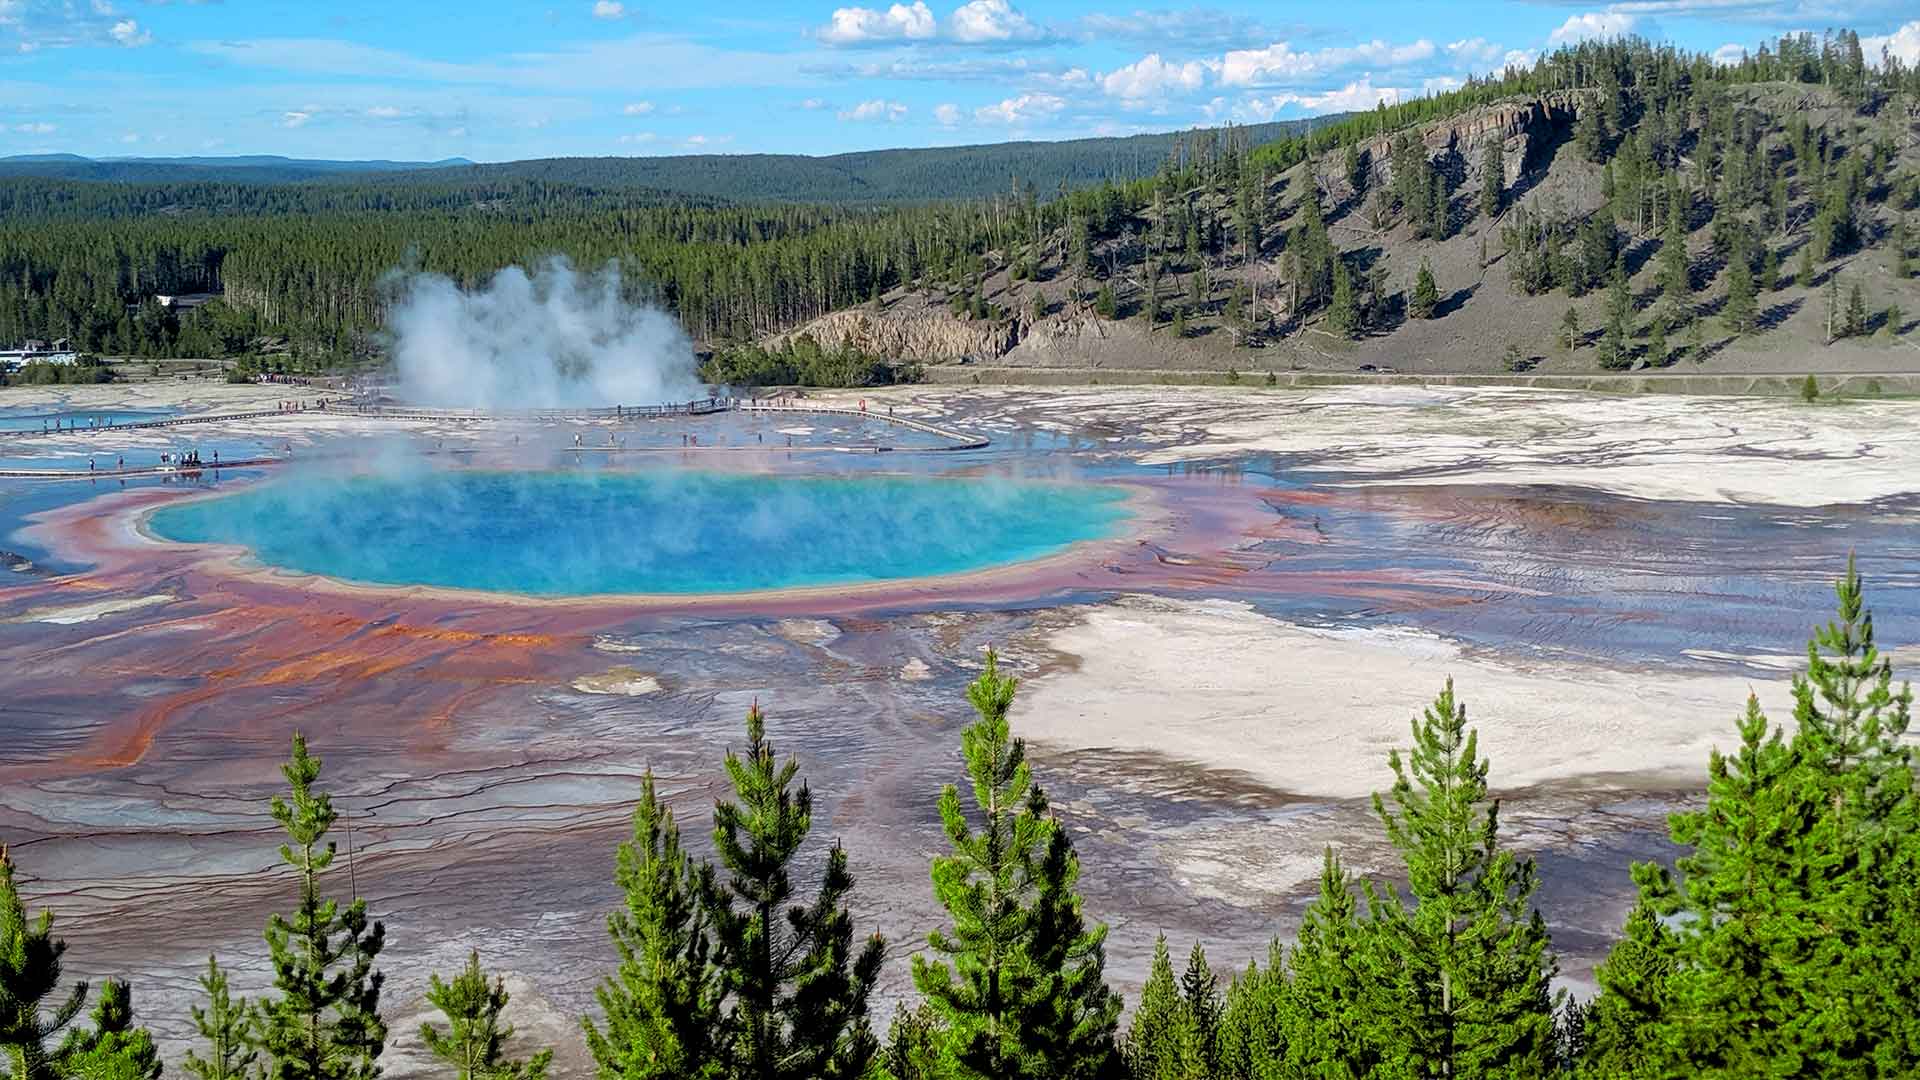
{"points": [[609, 9], [977, 22], [1150, 77], [384, 112], [458, 133], [814, 104], [129, 138], [295, 118], [708, 140], [877, 109], [1729, 54], [37, 128], [860, 26], [127, 32], [1519, 58], [947, 113], [1353, 97], [1020, 110], [1474, 51], [639, 137], [1903, 44], [638, 108], [1280, 63], [1595, 25], [991, 21]]}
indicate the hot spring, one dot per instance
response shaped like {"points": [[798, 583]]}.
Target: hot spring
{"points": [[669, 531]]}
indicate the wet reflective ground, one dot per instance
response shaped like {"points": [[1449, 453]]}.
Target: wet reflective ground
{"points": [[486, 754]]}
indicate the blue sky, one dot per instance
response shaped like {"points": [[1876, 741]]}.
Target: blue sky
{"points": [[497, 80]]}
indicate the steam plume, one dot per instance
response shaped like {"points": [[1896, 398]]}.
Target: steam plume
{"points": [[554, 339]]}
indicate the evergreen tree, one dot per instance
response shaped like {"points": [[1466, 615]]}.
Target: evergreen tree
{"points": [[1856, 321], [1613, 343], [1201, 1010], [1467, 966], [1103, 302], [324, 1021], [29, 977], [112, 1048], [1588, 134], [1426, 295], [1038, 307], [1675, 286], [226, 1031], [1018, 983], [1570, 329], [1158, 1044], [1180, 323], [1803, 273], [1253, 1038], [1740, 312], [1810, 390], [1769, 279], [1493, 176], [473, 1039], [1327, 1031], [1696, 339], [1635, 998], [1343, 314], [797, 997], [1657, 341]]}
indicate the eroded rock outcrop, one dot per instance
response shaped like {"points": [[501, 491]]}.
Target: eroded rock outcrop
{"points": [[925, 335]]}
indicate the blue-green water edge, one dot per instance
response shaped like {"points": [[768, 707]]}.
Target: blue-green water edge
{"points": [[657, 531]]}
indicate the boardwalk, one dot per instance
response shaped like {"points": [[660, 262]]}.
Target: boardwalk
{"points": [[952, 440]]}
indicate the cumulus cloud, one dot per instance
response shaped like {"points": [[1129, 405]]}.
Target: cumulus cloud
{"points": [[991, 21], [877, 109], [977, 22], [1021, 110], [1599, 25], [609, 9], [861, 26], [1355, 96], [1729, 54], [638, 108], [1903, 45], [1280, 63], [947, 113], [1150, 77], [1474, 51], [294, 118], [384, 112]]}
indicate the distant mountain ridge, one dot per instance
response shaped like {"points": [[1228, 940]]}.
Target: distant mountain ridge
{"points": [[897, 175]]}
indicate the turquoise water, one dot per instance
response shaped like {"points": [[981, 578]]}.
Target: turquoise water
{"points": [[667, 531]]}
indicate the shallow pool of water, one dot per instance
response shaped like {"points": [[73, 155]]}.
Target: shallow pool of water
{"points": [[654, 531]]}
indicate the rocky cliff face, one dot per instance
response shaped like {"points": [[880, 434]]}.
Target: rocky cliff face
{"points": [[1522, 126], [927, 335]]}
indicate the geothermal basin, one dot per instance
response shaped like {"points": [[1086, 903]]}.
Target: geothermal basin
{"points": [[1224, 606]]}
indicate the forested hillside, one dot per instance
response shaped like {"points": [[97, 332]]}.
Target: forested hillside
{"points": [[1634, 204]]}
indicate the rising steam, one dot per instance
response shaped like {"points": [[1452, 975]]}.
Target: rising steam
{"points": [[554, 339]]}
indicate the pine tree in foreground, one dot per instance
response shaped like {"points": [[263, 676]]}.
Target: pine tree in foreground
{"points": [[226, 1031], [1463, 974], [662, 1006], [1330, 972], [112, 1048], [797, 994], [1622, 1023], [33, 1013], [1175, 1033], [474, 1036], [323, 1021], [1017, 983]]}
